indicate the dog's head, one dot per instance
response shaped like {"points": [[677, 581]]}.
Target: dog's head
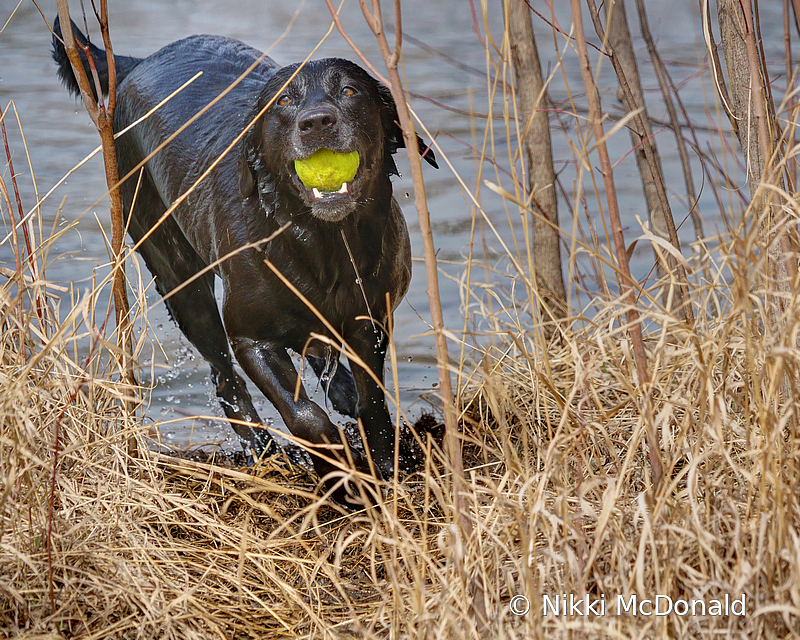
{"points": [[329, 104]]}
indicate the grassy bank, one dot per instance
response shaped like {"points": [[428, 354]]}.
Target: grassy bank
{"points": [[102, 539], [102, 536]]}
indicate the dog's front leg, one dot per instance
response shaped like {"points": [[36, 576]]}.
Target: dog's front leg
{"points": [[370, 343], [273, 372]]}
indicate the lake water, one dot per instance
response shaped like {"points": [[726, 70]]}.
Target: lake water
{"points": [[444, 63]]}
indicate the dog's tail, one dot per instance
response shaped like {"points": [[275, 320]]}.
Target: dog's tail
{"points": [[123, 64]]}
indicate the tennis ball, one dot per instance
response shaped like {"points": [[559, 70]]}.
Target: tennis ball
{"points": [[327, 170]]}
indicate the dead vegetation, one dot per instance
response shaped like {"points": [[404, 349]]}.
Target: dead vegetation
{"points": [[96, 543], [101, 539]]}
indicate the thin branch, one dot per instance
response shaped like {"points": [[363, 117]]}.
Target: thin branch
{"points": [[391, 58], [337, 21], [683, 153], [31, 261], [650, 154], [103, 118], [625, 278]]}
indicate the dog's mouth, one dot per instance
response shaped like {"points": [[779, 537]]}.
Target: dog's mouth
{"points": [[329, 192], [328, 205]]}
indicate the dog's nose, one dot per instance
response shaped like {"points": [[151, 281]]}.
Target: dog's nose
{"points": [[316, 120]]}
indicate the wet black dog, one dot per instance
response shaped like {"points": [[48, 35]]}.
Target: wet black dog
{"points": [[343, 251]]}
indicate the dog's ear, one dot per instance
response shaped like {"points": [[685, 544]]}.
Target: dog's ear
{"points": [[247, 180], [393, 134], [247, 176]]}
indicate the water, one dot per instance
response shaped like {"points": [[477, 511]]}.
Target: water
{"points": [[444, 61]]}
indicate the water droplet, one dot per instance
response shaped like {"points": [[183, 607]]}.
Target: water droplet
{"points": [[410, 359]]}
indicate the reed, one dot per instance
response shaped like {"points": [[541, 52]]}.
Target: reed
{"points": [[97, 543]]}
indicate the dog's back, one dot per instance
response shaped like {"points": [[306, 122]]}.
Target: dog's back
{"points": [[220, 63], [209, 67]]}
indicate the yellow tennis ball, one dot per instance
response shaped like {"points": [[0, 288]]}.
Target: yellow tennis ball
{"points": [[327, 170]]}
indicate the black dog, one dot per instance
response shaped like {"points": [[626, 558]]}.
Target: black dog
{"points": [[343, 251]]}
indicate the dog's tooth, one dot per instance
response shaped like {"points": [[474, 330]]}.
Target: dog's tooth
{"points": [[324, 194]]}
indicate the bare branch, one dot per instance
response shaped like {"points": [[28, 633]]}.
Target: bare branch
{"points": [[625, 278]]}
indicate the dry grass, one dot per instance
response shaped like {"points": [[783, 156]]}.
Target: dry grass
{"points": [[153, 546], [103, 539]]}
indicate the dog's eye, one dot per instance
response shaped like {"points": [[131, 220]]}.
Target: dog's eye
{"points": [[284, 100], [348, 91]]}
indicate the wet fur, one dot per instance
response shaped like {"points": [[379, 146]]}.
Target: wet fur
{"points": [[251, 194]]}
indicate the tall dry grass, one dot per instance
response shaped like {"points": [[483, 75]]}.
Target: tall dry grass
{"points": [[99, 539]]}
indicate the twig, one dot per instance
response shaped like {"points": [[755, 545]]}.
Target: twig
{"points": [[391, 58], [24, 224], [340, 28], [14, 237], [650, 154], [658, 66], [625, 279], [791, 169], [103, 118], [16, 194], [20, 306], [758, 87]]}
